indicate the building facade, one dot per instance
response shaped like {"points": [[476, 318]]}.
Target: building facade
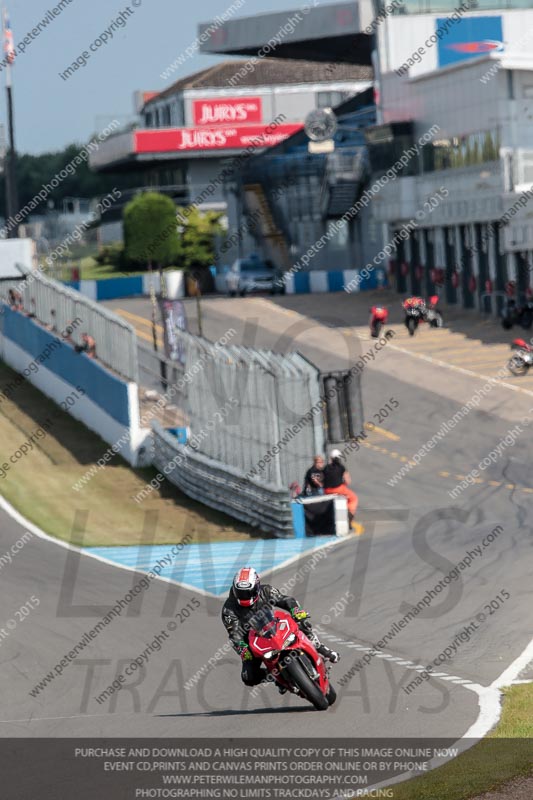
{"points": [[459, 216], [193, 138]]}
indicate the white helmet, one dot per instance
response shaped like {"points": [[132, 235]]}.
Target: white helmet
{"points": [[246, 586], [335, 454]]}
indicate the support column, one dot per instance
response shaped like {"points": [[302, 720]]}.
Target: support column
{"points": [[450, 264], [466, 260], [401, 258], [429, 260], [415, 263], [482, 266]]}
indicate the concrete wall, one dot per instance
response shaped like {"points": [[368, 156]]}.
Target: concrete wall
{"points": [[109, 406]]}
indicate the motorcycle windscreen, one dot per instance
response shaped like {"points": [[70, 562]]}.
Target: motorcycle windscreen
{"points": [[264, 622]]}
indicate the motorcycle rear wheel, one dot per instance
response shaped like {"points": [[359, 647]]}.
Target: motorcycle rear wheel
{"points": [[517, 366], [299, 677]]}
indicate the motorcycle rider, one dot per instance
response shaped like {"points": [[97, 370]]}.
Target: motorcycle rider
{"points": [[378, 313], [414, 302], [246, 600]]}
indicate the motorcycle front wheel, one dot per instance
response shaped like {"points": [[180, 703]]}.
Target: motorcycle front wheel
{"points": [[376, 329], [299, 677], [412, 325], [331, 695], [517, 365]]}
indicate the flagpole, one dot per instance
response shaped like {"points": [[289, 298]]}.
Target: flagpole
{"points": [[11, 180]]}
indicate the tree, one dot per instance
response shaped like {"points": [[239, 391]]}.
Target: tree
{"points": [[197, 231], [36, 172], [150, 230]]}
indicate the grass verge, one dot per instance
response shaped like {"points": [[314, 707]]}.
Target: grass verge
{"points": [[506, 753], [39, 485]]}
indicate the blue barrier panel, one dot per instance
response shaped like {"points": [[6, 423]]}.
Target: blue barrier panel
{"points": [[335, 281], [110, 288], [48, 352], [301, 283], [298, 520], [72, 285], [376, 279], [181, 434]]}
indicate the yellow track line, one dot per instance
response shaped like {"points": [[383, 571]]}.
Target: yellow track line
{"points": [[149, 338], [140, 320], [376, 429], [443, 474]]}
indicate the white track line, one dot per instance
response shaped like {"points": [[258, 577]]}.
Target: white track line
{"points": [[462, 370], [489, 697], [23, 522], [400, 661]]}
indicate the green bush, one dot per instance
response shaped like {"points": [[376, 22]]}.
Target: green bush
{"points": [[110, 254], [150, 230]]}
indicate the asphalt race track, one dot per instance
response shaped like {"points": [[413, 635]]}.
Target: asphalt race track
{"points": [[415, 535]]}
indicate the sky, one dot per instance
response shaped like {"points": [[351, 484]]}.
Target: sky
{"points": [[51, 112]]}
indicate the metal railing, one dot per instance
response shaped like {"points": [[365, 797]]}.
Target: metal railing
{"points": [[243, 403], [57, 307]]}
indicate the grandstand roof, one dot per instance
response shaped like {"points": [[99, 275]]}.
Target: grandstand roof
{"points": [[267, 72], [327, 33]]}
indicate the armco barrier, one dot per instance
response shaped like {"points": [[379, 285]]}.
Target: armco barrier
{"points": [[109, 405], [222, 487]]}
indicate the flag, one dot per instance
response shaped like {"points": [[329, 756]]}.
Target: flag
{"points": [[9, 47], [174, 320]]}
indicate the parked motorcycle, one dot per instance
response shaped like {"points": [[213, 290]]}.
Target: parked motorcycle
{"points": [[378, 318], [433, 314], [291, 658], [522, 359], [517, 315]]}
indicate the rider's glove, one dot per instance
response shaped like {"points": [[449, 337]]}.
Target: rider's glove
{"points": [[244, 651], [299, 614]]}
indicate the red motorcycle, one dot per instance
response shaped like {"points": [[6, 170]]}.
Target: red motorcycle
{"points": [[290, 658], [522, 359], [417, 311], [378, 318]]}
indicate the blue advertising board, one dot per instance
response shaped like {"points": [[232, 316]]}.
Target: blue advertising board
{"points": [[468, 38]]}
